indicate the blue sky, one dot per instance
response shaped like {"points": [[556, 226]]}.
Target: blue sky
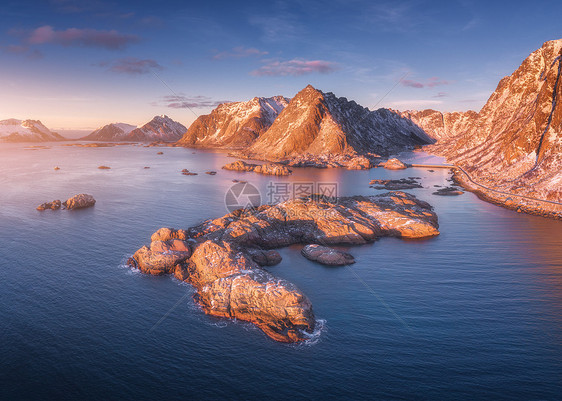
{"points": [[79, 64]]}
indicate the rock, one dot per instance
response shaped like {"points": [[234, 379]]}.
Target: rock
{"points": [[272, 169], [159, 153], [211, 172], [104, 167], [327, 256], [349, 161], [231, 285], [57, 168], [161, 257], [448, 191], [359, 163], [54, 205], [402, 183], [146, 167], [79, 201], [265, 258], [393, 164], [166, 234], [224, 265], [268, 169]]}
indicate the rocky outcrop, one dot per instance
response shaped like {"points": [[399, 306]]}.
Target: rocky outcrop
{"points": [[267, 169], [394, 185], [54, 205], [350, 161], [327, 256], [226, 253], [393, 164], [13, 130], [234, 125], [448, 191], [79, 201]]}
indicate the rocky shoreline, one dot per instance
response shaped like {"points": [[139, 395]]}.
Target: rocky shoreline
{"points": [[518, 203], [224, 258]]}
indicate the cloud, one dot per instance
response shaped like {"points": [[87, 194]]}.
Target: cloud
{"points": [[32, 54], [429, 83], [412, 84], [131, 65], [182, 101], [239, 52], [111, 40], [295, 67], [441, 94]]}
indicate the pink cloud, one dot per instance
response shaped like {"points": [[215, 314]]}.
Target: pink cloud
{"points": [[239, 52], [429, 83], [412, 84], [434, 81], [111, 40], [132, 65], [295, 67]]}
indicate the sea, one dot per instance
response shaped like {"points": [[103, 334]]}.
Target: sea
{"points": [[475, 313]]}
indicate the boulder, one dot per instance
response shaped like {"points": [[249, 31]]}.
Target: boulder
{"points": [[327, 256], [54, 205], [79, 201], [161, 257], [393, 164], [267, 169]]}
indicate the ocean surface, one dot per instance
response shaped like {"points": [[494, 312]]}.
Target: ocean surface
{"points": [[473, 313]]}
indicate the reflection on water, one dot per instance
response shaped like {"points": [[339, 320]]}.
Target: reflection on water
{"points": [[482, 300]]}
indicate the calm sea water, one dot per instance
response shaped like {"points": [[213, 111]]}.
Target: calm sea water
{"points": [[473, 313]]}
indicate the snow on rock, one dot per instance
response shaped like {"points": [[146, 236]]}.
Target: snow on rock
{"points": [[13, 130], [160, 128], [111, 132], [234, 125]]}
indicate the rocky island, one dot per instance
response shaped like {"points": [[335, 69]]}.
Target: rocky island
{"points": [[223, 258]]}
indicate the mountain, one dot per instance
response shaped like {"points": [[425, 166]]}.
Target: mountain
{"points": [[439, 125], [160, 128], [110, 132], [13, 130], [234, 125], [514, 144], [318, 124]]}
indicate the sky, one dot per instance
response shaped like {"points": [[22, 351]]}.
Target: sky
{"points": [[83, 64]]}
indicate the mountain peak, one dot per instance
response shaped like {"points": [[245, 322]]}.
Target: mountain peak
{"points": [[14, 130]]}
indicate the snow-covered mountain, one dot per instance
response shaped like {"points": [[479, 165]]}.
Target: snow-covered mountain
{"points": [[318, 123], [13, 130], [514, 143], [160, 128], [441, 125], [234, 125], [110, 132]]}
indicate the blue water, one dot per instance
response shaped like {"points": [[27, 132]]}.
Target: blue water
{"points": [[473, 313]]}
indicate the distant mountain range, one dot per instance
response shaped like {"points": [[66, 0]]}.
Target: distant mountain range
{"points": [[13, 130], [313, 122], [110, 132], [160, 128]]}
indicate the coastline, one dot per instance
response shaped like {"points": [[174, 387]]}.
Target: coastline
{"points": [[515, 202]]}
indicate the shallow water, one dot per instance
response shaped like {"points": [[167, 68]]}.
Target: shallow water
{"points": [[475, 312]]}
